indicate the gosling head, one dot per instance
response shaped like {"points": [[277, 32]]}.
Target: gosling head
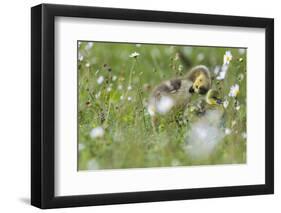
{"points": [[201, 78], [212, 98]]}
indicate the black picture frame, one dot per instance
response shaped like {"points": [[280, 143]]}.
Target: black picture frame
{"points": [[43, 105]]}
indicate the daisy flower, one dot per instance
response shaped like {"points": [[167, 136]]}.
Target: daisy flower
{"points": [[134, 55], [97, 132], [180, 68], [114, 78], [227, 131], [100, 79], [227, 57], [237, 107], [222, 72], [225, 104], [234, 90]]}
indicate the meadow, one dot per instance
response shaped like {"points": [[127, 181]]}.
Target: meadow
{"points": [[115, 81]]}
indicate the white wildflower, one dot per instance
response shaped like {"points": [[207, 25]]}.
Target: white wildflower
{"points": [[234, 90], [227, 131], [134, 55], [164, 105], [129, 87], [129, 98], [121, 97], [120, 87], [87, 65], [97, 132], [237, 107], [222, 72], [180, 68], [100, 79], [108, 89], [225, 104], [114, 78], [227, 57]]}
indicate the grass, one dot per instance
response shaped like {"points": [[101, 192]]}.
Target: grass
{"points": [[113, 91]]}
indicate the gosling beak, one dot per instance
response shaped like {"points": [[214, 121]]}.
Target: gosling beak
{"points": [[191, 90], [203, 91], [219, 101]]}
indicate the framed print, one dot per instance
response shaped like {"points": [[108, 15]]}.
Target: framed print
{"points": [[140, 106]]}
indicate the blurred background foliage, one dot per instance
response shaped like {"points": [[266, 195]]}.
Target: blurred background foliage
{"points": [[114, 83]]}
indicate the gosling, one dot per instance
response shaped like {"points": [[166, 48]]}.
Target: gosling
{"points": [[212, 98], [199, 107], [175, 94]]}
